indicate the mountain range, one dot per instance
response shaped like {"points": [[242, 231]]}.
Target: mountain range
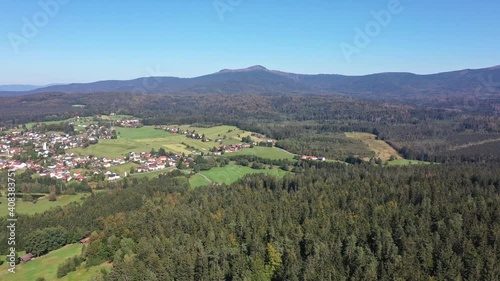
{"points": [[22, 88], [395, 86]]}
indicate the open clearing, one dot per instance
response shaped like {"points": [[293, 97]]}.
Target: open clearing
{"points": [[197, 180], [146, 132], [405, 162], [264, 152], [46, 266], [42, 205], [381, 148], [124, 168], [154, 174], [231, 173]]}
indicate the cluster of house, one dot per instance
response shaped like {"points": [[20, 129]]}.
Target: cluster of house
{"points": [[95, 132], [44, 144], [224, 148], [64, 164], [150, 163], [188, 133], [130, 123], [58, 166], [312, 158], [54, 161]]}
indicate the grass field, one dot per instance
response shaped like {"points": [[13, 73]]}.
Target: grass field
{"points": [[381, 148], [233, 134], [46, 266], [111, 148], [116, 117], [231, 173], [146, 138], [41, 206], [405, 162], [198, 181], [146, 132], [264, 152], [124, 168], [151, 175], [30, 125]]}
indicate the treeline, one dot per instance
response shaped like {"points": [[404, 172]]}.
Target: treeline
{"points": [[27, 183]]}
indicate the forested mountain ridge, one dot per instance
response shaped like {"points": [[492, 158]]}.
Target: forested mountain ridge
{"points": [[455, 88]]}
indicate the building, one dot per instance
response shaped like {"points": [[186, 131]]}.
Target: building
{"points": [[27, 257]]}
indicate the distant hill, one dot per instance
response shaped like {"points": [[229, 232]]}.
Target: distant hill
{"points": [[448, 87], [20, 89]]}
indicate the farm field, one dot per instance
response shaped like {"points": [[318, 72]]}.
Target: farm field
{"points": [[231, 173], [198, 181], [42, 205], [30, 125], [147, 138], [82, 121], [46, 266], [146, 132], [116, 117], [404, 162], [122, 169], [382, 150], [233, 134], [264, 152], [151, 175], [112, 148]]}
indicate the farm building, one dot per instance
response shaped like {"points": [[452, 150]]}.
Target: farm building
{"points": [[26, 258]]}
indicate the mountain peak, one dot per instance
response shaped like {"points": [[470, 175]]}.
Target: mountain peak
{"points": [[251, 68]]}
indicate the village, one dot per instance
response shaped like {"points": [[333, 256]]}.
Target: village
{"points": [[47, 153], [46, 156]]}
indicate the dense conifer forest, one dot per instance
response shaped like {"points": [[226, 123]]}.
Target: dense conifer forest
{"points": [[325, 222]]}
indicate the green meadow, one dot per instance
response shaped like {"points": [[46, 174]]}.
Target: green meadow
{"points": [[231, 173], [405, 162], [146, 138], [264, 152], [232, 134], [151, 175], [196, 181], [124, 168], [46, 266], [142, 133], [42, 204]]}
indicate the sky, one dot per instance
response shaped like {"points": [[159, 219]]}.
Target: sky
{"points": [[65, 41]]}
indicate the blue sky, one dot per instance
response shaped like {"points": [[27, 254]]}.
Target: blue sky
{"points": [[83, 41]]}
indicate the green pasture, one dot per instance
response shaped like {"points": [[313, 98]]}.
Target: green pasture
{"points": [[146, 138], [198, 181], [42, 204], [124, 168], [46, 266], [231, 173], [405, 162], [264, 152]]}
